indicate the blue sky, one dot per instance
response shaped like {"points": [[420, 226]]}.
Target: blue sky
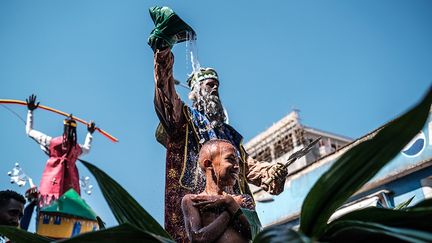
{"points": [[348, 66]]}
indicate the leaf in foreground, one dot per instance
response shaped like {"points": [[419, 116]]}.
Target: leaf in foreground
{"points": [[18, 235], [358, 231], [122, 233], [124, 207], [357, 166], [418, 218], [280, 234]]}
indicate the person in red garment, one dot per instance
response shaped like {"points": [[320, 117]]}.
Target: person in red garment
{"points": [[60, 173]]}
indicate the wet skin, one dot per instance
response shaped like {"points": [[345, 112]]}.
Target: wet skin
{"points": [[226, 165], [11, 213], [210, 86], [208, 215]]}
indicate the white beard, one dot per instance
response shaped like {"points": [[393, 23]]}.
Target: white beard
{"points": [[211, 106]]}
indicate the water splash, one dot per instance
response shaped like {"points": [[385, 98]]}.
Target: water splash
{"points": [[85, 184], [17, 176], [192, 52], [192, 58]]}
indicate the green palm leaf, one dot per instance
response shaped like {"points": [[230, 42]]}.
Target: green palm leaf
{"points": [[357, 166], [18, 235], [122, 233], [358, 231], [124, 207], [281, 234], [422, 204], [418, 218]]}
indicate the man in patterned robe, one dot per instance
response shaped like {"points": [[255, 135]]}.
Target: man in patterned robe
{"points": [[183, 129]]}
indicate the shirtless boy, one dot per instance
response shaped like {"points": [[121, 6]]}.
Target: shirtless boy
{"points": [[214, 215]]}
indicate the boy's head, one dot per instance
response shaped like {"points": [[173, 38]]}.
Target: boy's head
{"points": [[220, 159]]}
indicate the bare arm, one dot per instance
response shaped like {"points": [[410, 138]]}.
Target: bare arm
{"points": [[231, 205], [168, 104], [194, 229], [258, 171]]}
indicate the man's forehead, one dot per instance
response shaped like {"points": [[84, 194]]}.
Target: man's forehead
{"points": [[209, 80]]}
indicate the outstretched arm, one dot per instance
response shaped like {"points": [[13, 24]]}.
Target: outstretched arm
{"points": [[42, 139], [85, 148], [257, 172], [167, 103]]}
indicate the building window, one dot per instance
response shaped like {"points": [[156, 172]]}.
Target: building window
{"points": [[57, 220], [45, 219], [264, 155], [283, 146], [76, 228]]}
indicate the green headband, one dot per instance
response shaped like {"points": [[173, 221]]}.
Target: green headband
{"points": [[201, 75]]}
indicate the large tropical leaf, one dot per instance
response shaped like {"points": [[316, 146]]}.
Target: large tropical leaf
{"points": [[358, 231], [281, 234], [124, 207], [357, 166], [255, 224], [21, 236], [122, 233], [418, 218], [422, 204]]}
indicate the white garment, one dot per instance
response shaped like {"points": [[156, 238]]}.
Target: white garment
{"points": [[44, 140]]}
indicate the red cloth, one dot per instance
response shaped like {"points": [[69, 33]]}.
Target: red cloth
{"points": [[60, 173]]}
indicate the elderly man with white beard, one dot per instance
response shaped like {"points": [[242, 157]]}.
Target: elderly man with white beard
{"points": [[183, 129]]}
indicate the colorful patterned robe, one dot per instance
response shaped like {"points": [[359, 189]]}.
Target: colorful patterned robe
{"points": [[181, 130]]}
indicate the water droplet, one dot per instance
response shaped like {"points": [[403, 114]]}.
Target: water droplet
{"points": [[17, 175]]}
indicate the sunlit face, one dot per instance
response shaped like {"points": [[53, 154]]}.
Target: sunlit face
{"points": [[209, 86], [226, 164], [207, 101], [11, 213]]}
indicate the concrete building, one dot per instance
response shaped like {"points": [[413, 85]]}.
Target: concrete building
{"points": [[407, 175], [288, 135]]}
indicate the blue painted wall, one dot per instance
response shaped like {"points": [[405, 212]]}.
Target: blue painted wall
{"points": [[418, 150]]}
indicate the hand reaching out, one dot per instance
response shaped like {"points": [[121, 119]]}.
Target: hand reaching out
{"points": [[32, 194], [31, 102], [91, 127]]}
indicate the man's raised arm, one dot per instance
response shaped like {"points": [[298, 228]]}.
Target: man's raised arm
{"points": [[168, 104]]}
